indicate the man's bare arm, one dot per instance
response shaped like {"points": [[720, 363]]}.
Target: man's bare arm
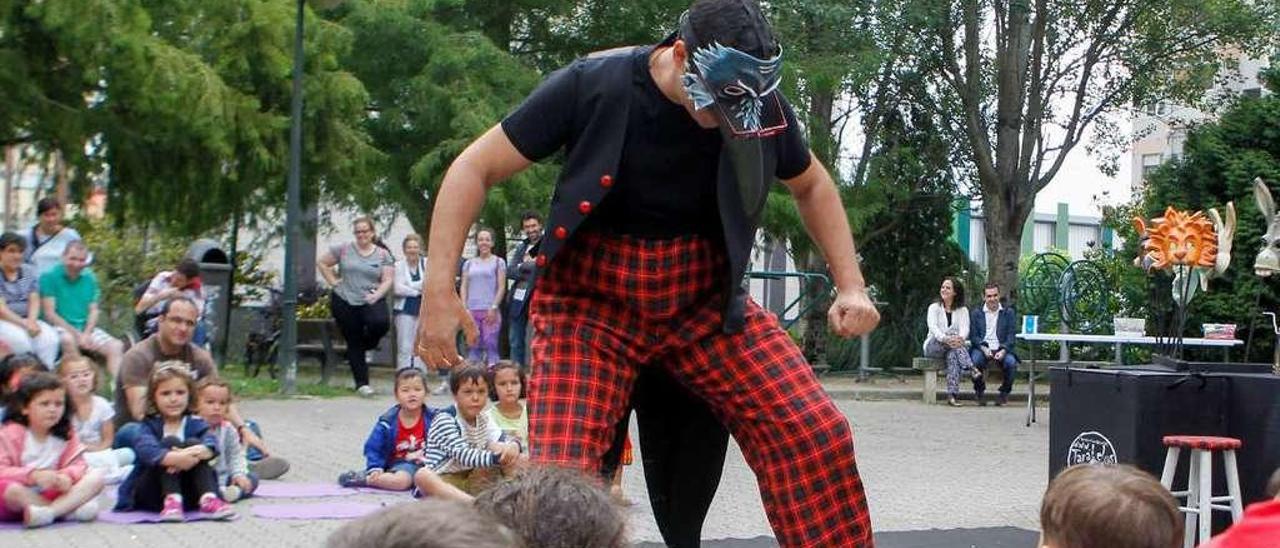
{"points": [[824, 218]]}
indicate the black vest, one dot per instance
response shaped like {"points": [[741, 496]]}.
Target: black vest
{"points": [[604, 91]]}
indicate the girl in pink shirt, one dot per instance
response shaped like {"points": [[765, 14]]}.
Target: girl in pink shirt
{"points": [[43, 475]]}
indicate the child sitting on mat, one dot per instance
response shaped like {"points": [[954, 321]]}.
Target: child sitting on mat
{"points": [[42, 475], [1116, 506], [213, 399], [508, 413], [464, 447], [172, 473], [395, 448], [91, 417]]}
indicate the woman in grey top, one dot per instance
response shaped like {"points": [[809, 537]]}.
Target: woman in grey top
{"points": [[361, 280]]}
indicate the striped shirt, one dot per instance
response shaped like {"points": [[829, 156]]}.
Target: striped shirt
{"points": [[17, 293], [455, 446]]}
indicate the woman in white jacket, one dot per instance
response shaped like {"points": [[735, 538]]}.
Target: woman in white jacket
{"points": [[948, 337], [408, 291]]}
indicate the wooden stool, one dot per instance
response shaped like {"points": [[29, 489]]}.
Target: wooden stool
{"points": [[1199, 493]]}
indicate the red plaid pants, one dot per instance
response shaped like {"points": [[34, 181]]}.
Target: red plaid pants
{"points": [[612, 304]]}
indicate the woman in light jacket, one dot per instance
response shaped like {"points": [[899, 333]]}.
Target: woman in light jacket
{"points": [[408, 291], [948, 337]]}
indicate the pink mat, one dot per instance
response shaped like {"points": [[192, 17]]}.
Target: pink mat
{"points": [[316, 510], [18, 526], [284, 489]]}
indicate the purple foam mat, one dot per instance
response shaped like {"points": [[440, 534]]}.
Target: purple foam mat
{"points": [[317, 510], [126, 518], [284, 489]]}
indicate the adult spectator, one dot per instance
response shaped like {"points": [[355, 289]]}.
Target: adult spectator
{"points": [[363, 277], [948, 321], [521, 270], [183, 280], [69, 293], [483, 287], [20, 327], [408, 286], [172, 341], [991, 340], [49, 237]]}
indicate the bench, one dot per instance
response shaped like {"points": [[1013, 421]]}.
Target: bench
{"points": [[931, 366], [321, 338]]}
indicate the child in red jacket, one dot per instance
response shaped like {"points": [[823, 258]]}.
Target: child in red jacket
{"points": [[43, 475]]}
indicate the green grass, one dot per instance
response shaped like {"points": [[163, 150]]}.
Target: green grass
{"points": [[265, 387]]}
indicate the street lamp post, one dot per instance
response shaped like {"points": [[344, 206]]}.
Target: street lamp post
{"points": [[288, 355]]}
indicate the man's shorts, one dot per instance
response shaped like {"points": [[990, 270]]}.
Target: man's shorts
{"points": [[100, 337]]}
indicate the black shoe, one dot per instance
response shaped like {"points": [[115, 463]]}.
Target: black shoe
{"points": [[982, 400], [1001, 400]]}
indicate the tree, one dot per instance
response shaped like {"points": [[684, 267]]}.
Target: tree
{"points": [[433, 89], [1018, 85], [181, 107], [1220, 160]]}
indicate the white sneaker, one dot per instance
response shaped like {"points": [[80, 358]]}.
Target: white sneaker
{"points": [[444, 387], [87, 511], [38, 516], [365, 390], [231, 493]]}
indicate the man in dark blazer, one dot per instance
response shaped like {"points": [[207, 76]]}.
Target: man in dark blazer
{"points": [[991, 329]]}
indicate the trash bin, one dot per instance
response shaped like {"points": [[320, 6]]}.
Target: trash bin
{"points": [[215, 277]]}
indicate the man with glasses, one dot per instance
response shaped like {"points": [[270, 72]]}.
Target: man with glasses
{"points": [[172, 341]]}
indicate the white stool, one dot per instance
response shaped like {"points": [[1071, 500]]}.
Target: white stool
{"points": [[1199, 493]]}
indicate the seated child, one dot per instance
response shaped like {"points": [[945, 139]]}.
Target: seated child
{"points": [[1117, 506], [508, 412], [42, 476], [213, 399], [426, 524], [91, 418], [11, 369], [1260, 525], [554, 507], [173, 447], [463, 445], [395, 448]]}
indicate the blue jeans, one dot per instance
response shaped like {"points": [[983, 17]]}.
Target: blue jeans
{"points": [[516, 331], [1008, 364]]}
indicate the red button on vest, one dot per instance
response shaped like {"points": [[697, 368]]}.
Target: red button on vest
{"points": [[561, 233], [606, 181], [541, 261], [584, 207]]}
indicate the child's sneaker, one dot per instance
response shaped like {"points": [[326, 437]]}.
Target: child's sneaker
{"points": [[37, 516], [215, 507], [172, 511], [231, 493], [351, 478], [87, 511]]}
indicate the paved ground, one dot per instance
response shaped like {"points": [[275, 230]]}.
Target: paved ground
{"points": [[924, 467]]}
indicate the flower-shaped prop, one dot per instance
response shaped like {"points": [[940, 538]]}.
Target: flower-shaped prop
{"points": [[1195, 247]]}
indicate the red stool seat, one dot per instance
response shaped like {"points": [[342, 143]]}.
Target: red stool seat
{"points": [[1204, 443]]}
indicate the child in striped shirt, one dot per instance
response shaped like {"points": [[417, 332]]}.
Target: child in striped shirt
{"points": [[464, 451]]}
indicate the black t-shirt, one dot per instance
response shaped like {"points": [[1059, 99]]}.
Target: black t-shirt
{"points": [[666, 180]]}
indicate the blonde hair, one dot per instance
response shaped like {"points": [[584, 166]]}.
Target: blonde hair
{"points": [[67, 362]]}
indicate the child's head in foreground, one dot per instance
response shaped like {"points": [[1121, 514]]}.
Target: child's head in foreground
{"points": [[429, 523], [555, 508], [1116, 506]]}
